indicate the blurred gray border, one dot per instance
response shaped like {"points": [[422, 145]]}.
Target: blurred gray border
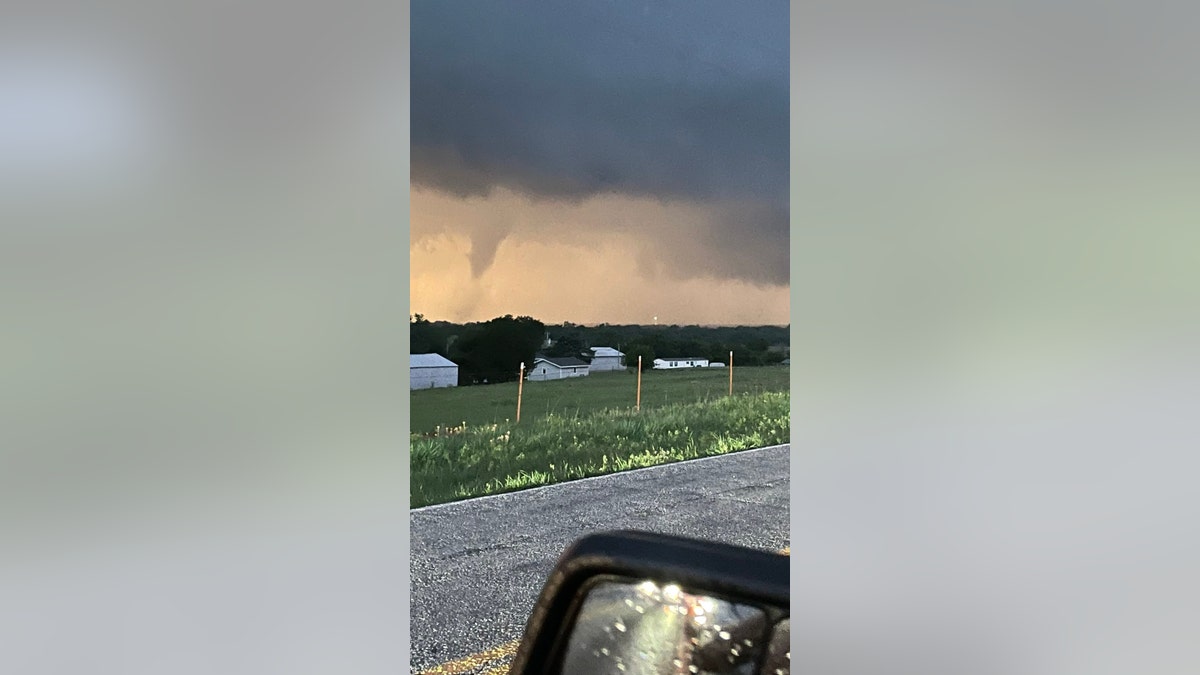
{"points": [[405, 204], [793, 241]]}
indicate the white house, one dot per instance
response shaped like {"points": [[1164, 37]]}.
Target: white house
{"points": [[557, 368], [606, 358], [426, 371], [680, 362]]}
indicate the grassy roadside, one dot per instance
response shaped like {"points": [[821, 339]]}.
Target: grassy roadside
{"points": [[496, 403], [471, 461]]}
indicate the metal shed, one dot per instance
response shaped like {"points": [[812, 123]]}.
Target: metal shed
{"points": [[427, 371], [606, 358]]}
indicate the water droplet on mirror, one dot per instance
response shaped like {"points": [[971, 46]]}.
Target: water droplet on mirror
{"points": [[724, 634], [604, 651], [693, 669], [619, 626]]}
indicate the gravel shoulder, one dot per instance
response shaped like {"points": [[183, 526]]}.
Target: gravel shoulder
{"points": [[478, 565]]}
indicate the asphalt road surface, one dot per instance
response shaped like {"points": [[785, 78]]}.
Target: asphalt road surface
{"points": [[477, 566]]}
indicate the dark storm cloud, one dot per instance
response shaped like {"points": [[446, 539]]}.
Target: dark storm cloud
{"points": [[568, 100]]}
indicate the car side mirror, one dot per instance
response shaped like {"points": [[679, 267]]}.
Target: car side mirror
{"points": [[637, 603]]}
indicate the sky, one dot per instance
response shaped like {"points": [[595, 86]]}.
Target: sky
{"points": [[600, 162]]}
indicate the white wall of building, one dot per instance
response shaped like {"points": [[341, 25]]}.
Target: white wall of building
{"points": [[432, 378], [668, 364], [544, 370]]}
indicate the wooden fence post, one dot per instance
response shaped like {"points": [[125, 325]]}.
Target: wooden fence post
{"points": [[520, 389], [638, 405]]}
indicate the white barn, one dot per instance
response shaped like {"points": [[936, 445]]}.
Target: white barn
{"points": [[557, 368], [427, 371], [680, 362], [606, 358]]}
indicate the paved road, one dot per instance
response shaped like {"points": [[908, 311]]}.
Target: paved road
{"points": [[478, 565]]}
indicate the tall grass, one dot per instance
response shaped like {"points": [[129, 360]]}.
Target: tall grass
{"points": [[469, 461]]}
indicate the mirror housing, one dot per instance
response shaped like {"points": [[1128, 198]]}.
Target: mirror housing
{"points": [[612, 564]]}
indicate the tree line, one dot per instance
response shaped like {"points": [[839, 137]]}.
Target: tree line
{"points": [[492, 351]]}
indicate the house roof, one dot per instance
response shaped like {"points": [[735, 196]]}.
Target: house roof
{"points": [[606, 351], [562, 361], [429, 361], [681, 358]]}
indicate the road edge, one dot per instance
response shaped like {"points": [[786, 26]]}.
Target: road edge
{"points": [[595, 478]]}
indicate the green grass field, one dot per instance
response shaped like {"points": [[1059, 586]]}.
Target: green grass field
{"points": [[479, 459], [496, 403]]}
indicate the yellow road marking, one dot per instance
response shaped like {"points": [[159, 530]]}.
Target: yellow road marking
{"points": [[474, 660], [503, 651]]}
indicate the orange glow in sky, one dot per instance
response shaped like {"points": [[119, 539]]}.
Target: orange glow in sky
{"points": [[609, 259]]}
